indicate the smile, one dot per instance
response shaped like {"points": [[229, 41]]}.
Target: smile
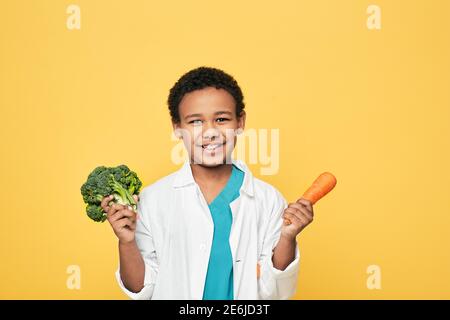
{"points": [[212, 146]]}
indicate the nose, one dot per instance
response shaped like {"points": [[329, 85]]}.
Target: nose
{"points": [[210, 132]]}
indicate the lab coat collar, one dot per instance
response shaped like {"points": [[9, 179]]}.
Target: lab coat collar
{"points": [[184, 176]]}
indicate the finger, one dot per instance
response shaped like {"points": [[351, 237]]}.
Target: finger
{"points": [[302, 218], [302, 209], [307, 218], [129, 224], [305, 221], [296, 205], [306, 203], [104, 203], [285, 219], [114, 209], [111, 211], [307, 213], [136, 198], [301, 214], [293, 218], [291, 210], [122, 223], [123, 213], [131, 209]]}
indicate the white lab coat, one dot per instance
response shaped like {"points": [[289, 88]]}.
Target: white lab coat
{"points": [[174, 234]]}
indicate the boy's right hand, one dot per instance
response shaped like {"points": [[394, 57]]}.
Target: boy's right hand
{"points": [[121, 218]]}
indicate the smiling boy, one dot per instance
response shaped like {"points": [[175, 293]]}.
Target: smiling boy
{"points": [[210, 230]]}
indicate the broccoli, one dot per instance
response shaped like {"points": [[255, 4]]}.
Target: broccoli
{"points": [[95, 212], [120, 182]]}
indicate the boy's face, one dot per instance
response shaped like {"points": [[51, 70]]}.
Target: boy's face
{"points": [[208, 125]]}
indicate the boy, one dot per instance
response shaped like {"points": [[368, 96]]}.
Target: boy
{"points": [[209, 230]]}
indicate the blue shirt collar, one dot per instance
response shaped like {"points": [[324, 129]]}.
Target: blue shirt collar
{"points": [[184, 177]]}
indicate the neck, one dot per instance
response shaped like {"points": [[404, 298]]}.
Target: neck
{"points": [[218, 174]]}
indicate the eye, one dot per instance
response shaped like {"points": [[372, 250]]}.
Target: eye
{"points": [[222, 119], [196, 121]]}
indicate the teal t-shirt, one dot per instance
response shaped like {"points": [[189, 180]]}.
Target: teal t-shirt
{"points": [[219, 278]]}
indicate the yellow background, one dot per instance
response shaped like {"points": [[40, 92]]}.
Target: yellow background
{"points": [[373, 107]]}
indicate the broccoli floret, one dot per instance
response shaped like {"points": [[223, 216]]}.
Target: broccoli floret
{"points": [[118, 181], [95, 212], [127, 178], [96, 186]]}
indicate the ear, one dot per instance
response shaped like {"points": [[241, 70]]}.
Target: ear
{"points": [[177, 130], [241, 122]]}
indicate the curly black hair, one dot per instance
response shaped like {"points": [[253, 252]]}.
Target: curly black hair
{"points": [[200, 78]]}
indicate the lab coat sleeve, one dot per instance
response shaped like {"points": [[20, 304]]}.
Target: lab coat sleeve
{"points": [[274, 284], [144, 241]]}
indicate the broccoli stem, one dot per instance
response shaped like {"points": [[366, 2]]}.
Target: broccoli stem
{"points": [[123, 193], [99, 198]]}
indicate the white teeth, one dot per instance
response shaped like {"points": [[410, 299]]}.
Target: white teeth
{"points": [[212, 146]]}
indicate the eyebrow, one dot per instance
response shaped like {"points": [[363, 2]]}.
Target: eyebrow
{"points": [[216, 113]]}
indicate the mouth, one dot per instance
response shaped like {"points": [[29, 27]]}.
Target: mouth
{"points": [[212, 146]]}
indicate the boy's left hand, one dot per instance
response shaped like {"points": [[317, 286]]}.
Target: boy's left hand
{"points": [[300, 214]]}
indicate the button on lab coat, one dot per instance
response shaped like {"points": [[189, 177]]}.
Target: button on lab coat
{"points": [[174, 234]]}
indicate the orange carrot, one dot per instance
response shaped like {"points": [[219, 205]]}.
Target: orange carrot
{"points": [[320, 187]]}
